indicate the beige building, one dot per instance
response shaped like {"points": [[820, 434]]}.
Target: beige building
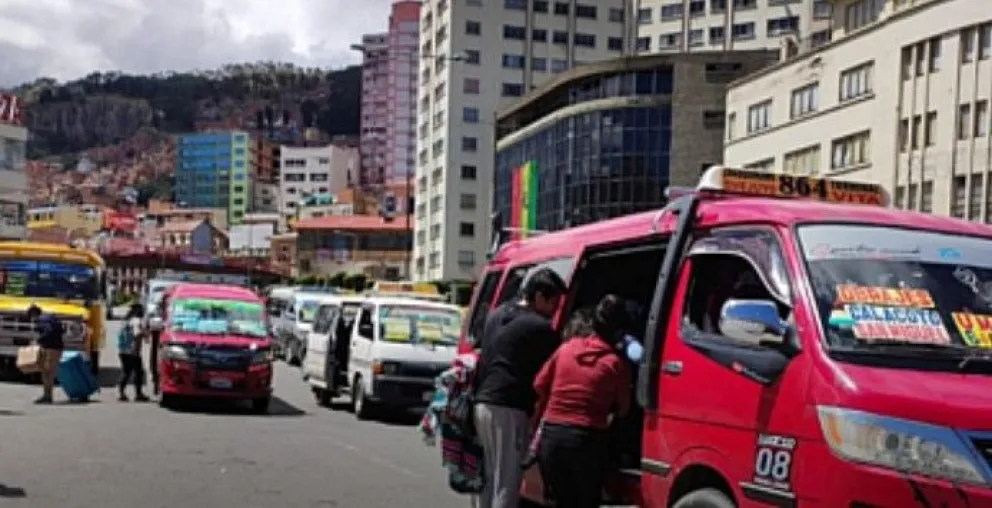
{"points": [[13, 181], [682, 26], [900, 98]]}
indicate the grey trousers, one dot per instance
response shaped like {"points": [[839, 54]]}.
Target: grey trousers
{"points": [[505, 435]]}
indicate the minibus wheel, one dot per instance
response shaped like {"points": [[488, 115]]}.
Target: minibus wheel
{"points": [[705, 498]]}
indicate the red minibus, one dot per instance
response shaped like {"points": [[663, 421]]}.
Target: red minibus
{"points": [[805, 345]]}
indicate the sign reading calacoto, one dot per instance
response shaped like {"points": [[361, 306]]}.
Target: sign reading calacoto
{"points": [[10, 109]]}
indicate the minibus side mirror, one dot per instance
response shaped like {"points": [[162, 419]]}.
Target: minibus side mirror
{"points": [[755, 321]]}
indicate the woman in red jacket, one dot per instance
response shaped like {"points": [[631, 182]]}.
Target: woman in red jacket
{"points": [[580, 387]]}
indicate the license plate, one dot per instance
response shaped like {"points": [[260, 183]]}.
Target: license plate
{"points": [[220, 382], [428, 396]]}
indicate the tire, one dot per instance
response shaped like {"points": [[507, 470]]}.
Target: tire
{"points": [[260, 406], [167, 401], [705, 498], [95, 363], [360, 404]]}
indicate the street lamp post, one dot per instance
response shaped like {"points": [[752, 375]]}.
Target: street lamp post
{"points": [[408, 210]]}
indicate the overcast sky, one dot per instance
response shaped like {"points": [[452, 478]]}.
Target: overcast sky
{"points": [[66, 39]]}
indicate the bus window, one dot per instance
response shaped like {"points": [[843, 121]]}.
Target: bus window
{"points": [[482, 304]]}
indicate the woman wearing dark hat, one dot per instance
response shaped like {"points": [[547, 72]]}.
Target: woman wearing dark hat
{"points": [[579, 388]]}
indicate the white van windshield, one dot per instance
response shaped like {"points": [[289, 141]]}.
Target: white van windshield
{"points": [[407, 323]]}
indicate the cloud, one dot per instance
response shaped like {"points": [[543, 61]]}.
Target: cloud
{"points": [[66, 39]]}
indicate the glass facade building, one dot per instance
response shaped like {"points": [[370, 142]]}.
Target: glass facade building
{"points": [[212, 172], [595, 148]]}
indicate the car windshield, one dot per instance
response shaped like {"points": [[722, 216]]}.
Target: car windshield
{"points": [[49, 279], [308, 310], [408, 323], [209, 316], [900, 288]]}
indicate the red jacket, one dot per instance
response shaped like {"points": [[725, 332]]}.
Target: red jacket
{"points": [[583, 383]]}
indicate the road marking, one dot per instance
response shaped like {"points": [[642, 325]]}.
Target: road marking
{"points": [[376, 460]]}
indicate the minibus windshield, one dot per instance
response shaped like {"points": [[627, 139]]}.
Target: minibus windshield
{"points": [[900, 289]]}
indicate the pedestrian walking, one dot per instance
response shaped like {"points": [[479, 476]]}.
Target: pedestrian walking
{"points": [[129, 342], [585, 382], [158, 310], [50, 340], [516, 340]]}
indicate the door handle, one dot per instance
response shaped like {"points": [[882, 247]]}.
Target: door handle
{"points": [[672, 368]]}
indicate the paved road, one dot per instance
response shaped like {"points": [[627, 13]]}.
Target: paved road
{"points": [[126, 455]]}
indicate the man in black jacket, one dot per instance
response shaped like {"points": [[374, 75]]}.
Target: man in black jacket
{"points": [[50, 334], [516, 341]]}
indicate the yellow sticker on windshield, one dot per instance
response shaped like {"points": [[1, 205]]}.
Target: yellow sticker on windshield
{"points": [[430, 331], [894, 297], [975, 329], [396, 330]]}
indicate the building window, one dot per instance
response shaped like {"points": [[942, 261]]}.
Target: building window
{"points": [[614, 43], [469, 172], [964, 121], [917, 130], [517, 5], [616, 15], [670, 40], [921, 59], [539, 35], [643, 44], [585, 11], [981, 118], [517, 33], [562, 9], [926, 199], [862, 13], [958, 194], [714, 119], [718, 6], [783, 26], [743, 31], [470, 144], [822, 9], [559, 37], [541, 6], [470, 115], [559, 65], [472, 56], [539, 64], [762, 165], [470, 86], [975, 191], [930, 132], [904, 135], [671, 11], [804, 100], [513, 61], [473, 28], [466, 229], [934, 47], [740, 5], [513, 89], [585, 40], [856, 82], [802, 162], [467, 202], [466, 258], [985, 41], [907, 62], [968, 45], [851, 151], [644, 15], [717, 34], [731, 126], [759, 117], [697, 37]]}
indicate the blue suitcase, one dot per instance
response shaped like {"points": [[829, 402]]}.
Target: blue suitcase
{"points": [[75, 376]]}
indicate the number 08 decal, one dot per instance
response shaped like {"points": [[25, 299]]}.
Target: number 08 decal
{"points": [[773, 461]]}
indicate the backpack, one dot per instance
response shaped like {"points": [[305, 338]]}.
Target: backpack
{"points": [[125, 339], [461, 395]]}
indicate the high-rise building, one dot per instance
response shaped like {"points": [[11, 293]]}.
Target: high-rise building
{"points": [[389, 96], [731, 25], [484, 55], [902, 97], [212, 171], [13, 179]]}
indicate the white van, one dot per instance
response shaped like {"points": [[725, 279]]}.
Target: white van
{"points": [[398, 347], [298, 321], [277, 303], [325, 366]]}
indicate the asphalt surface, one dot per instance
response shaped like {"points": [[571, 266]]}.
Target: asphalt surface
{"points": [[113, 454]]}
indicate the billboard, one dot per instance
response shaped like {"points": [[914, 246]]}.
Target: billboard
{"points": [[523, 199], [10, 109]]}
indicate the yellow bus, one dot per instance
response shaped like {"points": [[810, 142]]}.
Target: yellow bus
{"points": [[66, 281]]}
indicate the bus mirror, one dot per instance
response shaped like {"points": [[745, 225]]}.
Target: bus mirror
{"points": [[754, 321]]}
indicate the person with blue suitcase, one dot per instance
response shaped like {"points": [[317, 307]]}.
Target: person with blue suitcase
{"points": [[129, 343], [50, 340]]}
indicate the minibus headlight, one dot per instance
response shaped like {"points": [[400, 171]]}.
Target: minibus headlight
{"points": [[176, 352], [902, 445], [385, 368]]}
